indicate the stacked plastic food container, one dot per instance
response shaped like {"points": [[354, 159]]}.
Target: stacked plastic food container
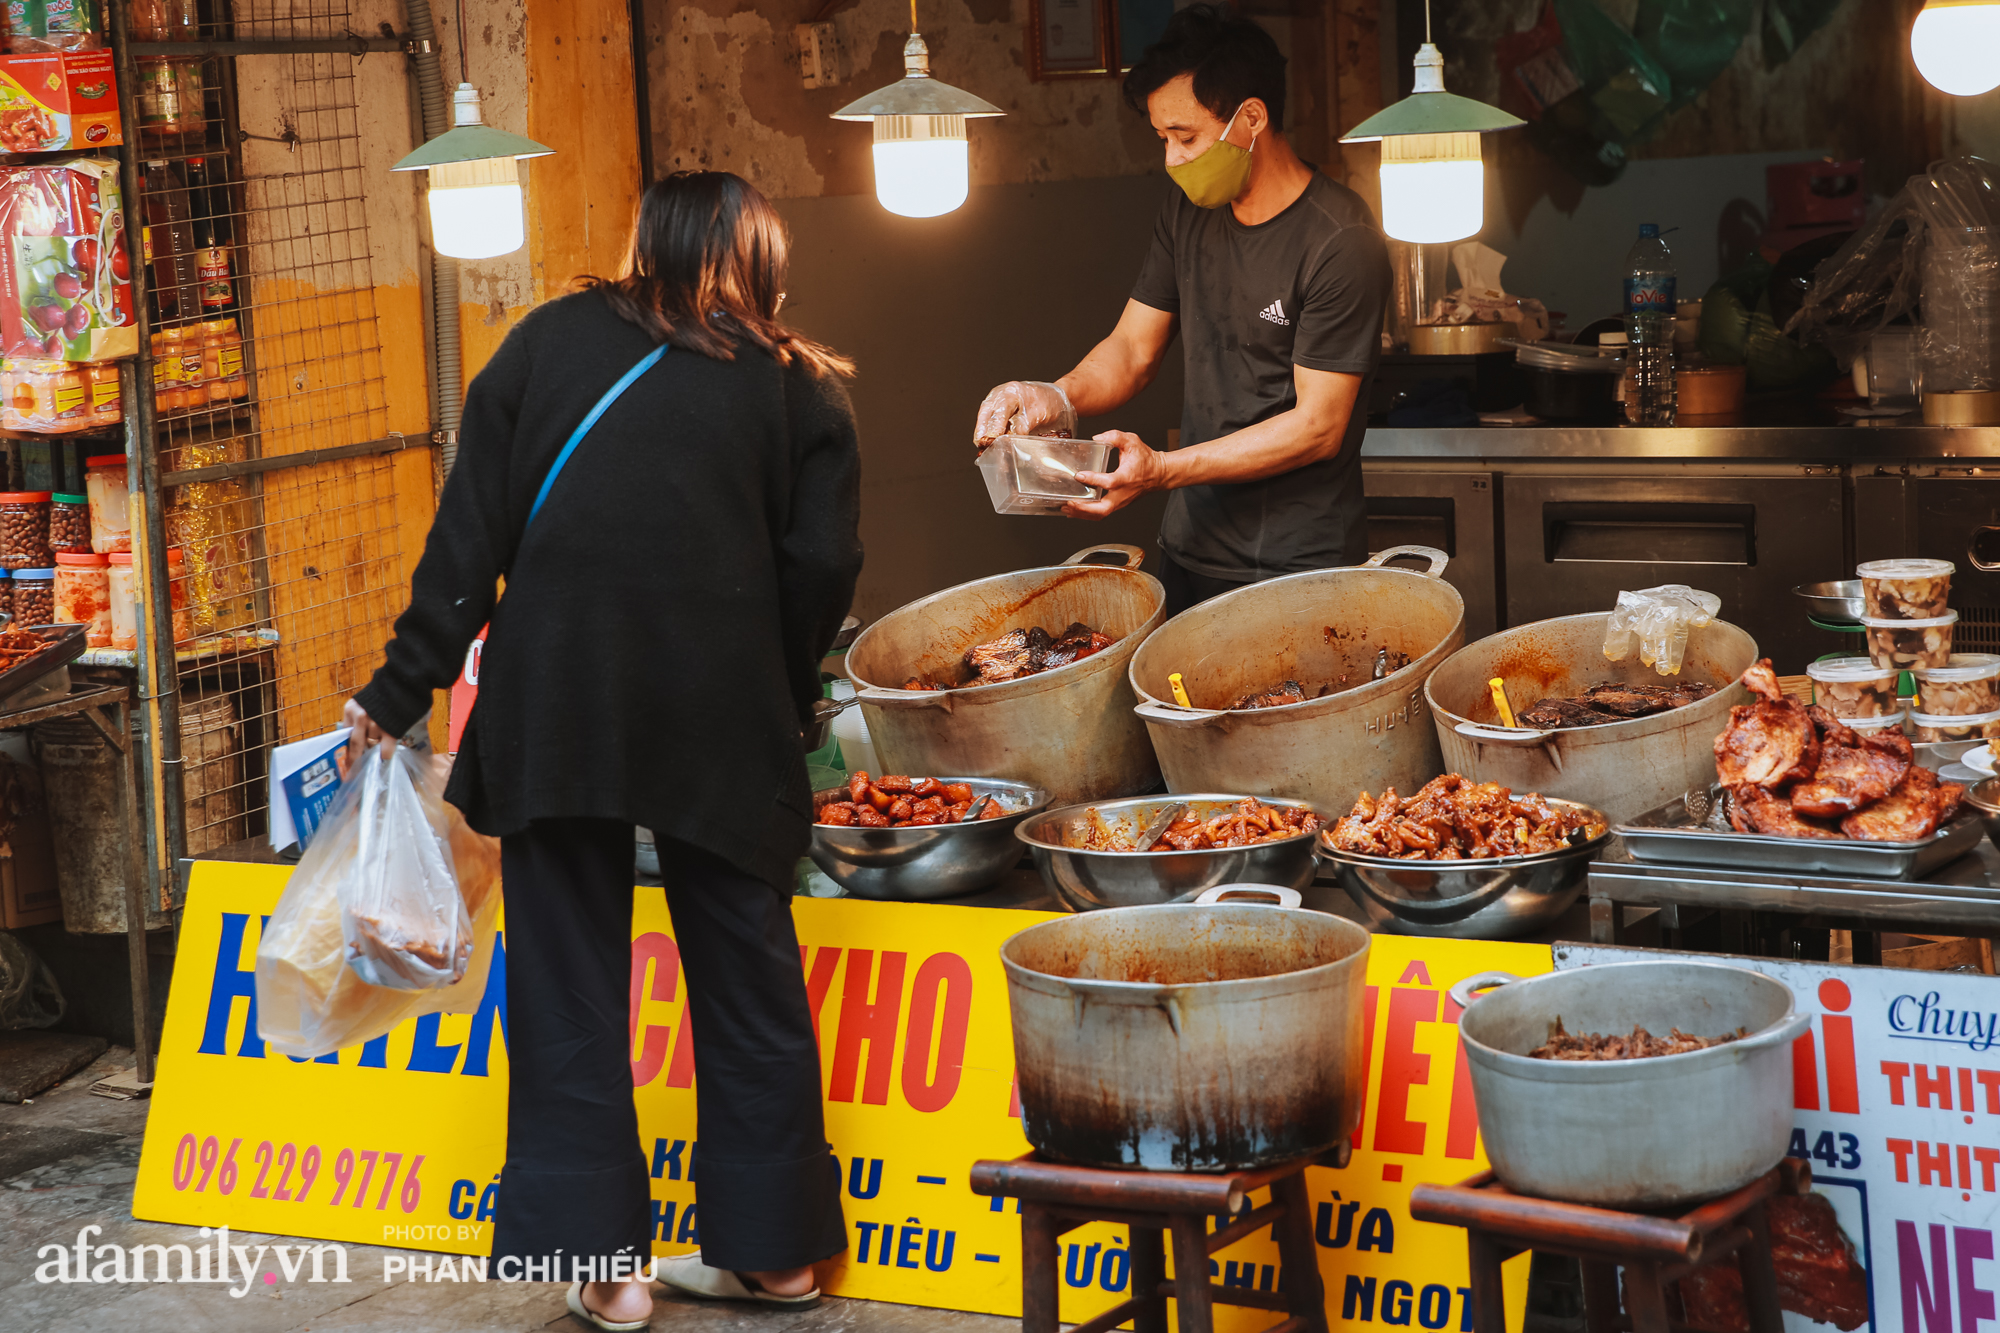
{"points": [[1909, 623]]}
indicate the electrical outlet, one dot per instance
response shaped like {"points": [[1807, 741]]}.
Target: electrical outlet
{"points": [[821, 59]]}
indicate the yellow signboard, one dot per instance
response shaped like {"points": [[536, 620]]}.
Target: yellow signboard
{"points": [[399, 1142]]}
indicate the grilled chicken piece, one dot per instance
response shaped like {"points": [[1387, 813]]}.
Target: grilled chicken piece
{"points": [[1015, 654], [1891, 741], [1288, 692], [1690, 691], [1753, 809], [1832, 731], [1629, 700], [1767, 745], [1848, 778], [1553, 714], [1760, 679], [1910, 813]]}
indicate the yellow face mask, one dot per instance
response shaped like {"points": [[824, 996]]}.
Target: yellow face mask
{"points": [[1219, 174]]}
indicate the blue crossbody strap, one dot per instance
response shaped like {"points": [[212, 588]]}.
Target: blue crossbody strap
{"points": [[611, 396]]}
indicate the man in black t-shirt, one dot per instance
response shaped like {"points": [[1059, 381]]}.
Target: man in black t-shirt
{"points": [[1277, 277]]}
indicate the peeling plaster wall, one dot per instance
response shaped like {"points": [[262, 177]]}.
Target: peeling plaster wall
{"points": [[727, 95]]}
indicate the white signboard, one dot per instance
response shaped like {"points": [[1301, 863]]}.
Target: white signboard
{"points": [[1897, 1089]]}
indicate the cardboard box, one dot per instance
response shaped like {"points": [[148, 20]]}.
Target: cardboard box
{"points": [[56, 101], [65, 281], [28, 893]]}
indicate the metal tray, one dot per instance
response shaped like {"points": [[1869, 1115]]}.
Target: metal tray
{"points": [[1670, 836], [66, 644]]}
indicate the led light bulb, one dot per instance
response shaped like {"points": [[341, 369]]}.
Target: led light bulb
{"points": [[922, 164], [476, 208], [1956, 44], [1433, 187]]}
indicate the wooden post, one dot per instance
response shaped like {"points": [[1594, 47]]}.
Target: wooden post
{"points": [[1305, 1293], [1041, 1275], [1760, 1278], [1196, 1313], [1149, 1270], [1489, 1308], [1600, 1296]]}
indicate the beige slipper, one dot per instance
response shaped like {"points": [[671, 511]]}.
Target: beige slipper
{"points": [[590, 1316], [686, 1273]]}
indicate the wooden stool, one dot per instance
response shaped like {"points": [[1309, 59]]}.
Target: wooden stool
{"points": [[1654, 1250], [1055, 1198]]}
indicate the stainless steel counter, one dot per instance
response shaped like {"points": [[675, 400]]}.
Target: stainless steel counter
{"points": [[1846, 441], [1549, 520]]}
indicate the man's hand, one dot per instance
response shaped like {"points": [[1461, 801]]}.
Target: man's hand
{"points": [[365, 736], [1140, 469], [1023, 407]]}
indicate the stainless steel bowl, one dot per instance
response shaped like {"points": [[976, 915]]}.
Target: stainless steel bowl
{"points": [[1500, 898], [1985, 798], [915, 865], [1839, 600], [1086, 880]]}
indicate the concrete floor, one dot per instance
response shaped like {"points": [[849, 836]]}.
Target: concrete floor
{"points": [[68, 1160]]}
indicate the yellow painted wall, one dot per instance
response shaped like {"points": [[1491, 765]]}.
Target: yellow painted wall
{"points": [[576, 80]]}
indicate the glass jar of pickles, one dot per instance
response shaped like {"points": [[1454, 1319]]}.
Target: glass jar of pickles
{"points": [[110, 503], [83, 596]]}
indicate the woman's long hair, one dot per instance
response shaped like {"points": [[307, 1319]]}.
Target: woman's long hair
{"points": [[707, 267]]}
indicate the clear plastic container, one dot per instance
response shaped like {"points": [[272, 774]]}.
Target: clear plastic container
{"points": [[1854, 687], [1905, 589], [24, 530], [69, 524], [124, 595], [83, 596], [1036, 474], [34, 596], [110, 503], [7, 591], [1909, 644], [45, 397], [1978, 726], [107, 395], [1869, 726], [1964, 687]]}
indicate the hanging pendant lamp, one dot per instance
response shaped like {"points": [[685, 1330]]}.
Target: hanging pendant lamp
{"points": [[923, 163], [1956, 44], [1433, 175]]}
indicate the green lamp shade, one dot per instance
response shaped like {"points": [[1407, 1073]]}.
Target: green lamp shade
{"points": [[919, 96], [1432, 113], [471, 143]]}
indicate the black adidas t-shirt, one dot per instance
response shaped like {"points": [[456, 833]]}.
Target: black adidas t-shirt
{"points": [[1307, 288]]}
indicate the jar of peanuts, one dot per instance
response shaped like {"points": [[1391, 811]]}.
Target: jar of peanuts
{"points": [[24, 530], [69, 524], [83, 596], [34, 596]]}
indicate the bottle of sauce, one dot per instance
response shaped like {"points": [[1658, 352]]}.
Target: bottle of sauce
{"points": [[212, 235], [169, 244]]}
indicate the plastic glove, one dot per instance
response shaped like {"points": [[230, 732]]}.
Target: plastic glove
{"points": [[1658, 620], [1024, 407]]}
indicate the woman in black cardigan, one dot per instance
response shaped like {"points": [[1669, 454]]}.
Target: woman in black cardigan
{"points": [[652, 662]]}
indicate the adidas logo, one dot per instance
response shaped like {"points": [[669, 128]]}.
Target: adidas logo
{"points": [[1275, 312]]}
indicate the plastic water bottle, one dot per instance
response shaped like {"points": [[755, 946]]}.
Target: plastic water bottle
{"points": [[1649, 324]]}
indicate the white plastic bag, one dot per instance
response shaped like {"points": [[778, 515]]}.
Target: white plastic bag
{"points": [[1658, 620], [401, 914], [315, 992]]}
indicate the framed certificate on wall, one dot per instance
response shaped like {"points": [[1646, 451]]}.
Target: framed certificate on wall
{"points": [[1080, 39], [1070, 39]]}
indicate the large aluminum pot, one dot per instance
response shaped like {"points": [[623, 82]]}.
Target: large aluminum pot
{"points": [[1326, 625], [1622, 768], [1632, 1133], [1209, 1036], [1069, 731]]}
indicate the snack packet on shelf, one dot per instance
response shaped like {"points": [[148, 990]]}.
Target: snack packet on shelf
{"points": [[1657, 621]]}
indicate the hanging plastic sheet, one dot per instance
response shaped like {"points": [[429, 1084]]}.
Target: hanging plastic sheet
{"points": [[1626, 85], [1933, 253], [1787, 24], [1693, 40]]}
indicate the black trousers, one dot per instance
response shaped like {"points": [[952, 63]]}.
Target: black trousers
{"points": [[768, 1189], [1186, 588]]}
